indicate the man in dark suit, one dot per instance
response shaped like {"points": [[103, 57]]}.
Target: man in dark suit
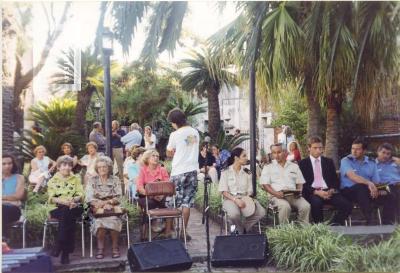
{"points": [[322, 185]]}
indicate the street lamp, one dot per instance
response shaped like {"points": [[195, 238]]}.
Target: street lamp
{"points": [[107, 46], [97, 106]]}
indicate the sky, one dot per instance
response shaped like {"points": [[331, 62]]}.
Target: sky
{"points": [[79, 32]]}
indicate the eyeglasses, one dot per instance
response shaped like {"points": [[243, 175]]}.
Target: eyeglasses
{"points": [[155, 155]]}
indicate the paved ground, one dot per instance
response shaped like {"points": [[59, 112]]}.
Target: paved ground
{"points": [[197, 249]]}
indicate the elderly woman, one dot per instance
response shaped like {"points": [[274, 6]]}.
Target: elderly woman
{"points": [[152, 171], [65, 196], [89, 160], [41, 166], [132, 168], [13, 192], [235, 184], [103, 192]]}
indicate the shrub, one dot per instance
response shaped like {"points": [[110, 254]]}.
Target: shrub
{"points": [[306, 248]]}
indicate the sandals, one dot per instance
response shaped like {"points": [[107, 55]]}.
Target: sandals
{"points": [[115, 253], [100, 254]]}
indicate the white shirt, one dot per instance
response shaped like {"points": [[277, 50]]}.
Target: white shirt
{"points": [[185, 143], [324, 186], [282, 178], [153, 144], [235, 183]]}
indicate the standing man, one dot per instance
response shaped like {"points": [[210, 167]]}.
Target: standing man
{"points": [[118, 148], [97, 137], [322, 185], [284, 175], [389, 171], [134, 137], [183, 146], [358, 176]]}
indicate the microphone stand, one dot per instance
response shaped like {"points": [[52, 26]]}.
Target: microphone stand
{"points": [[205, 218]]}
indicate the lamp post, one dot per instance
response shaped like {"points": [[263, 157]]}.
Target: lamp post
{"points": [[97, 106], [107, 46]]}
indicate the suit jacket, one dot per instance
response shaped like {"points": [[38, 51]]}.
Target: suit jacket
{"points": [[328, 173]]}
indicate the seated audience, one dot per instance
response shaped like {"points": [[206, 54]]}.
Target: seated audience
{"points": [[65, 196], [322, 184], [89, 160], [207, 159], [132, 167], [220, 158], [103, 192], [280, 176], [41, 167], [359, 176], [234, 185], [389, 172], [152, 171], [13, 192]]}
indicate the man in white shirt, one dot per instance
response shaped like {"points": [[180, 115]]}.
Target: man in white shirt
{"points": [[284, 175], [183, 146]]}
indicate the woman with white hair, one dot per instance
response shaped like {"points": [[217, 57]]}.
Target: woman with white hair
{"points": [[149, 138], [103, 192]]}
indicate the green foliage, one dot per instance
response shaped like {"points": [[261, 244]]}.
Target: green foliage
{"points": [[306, 248], [229, 142], [291, 110]]}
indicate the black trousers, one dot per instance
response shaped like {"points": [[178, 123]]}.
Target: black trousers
{"points": [[66, 227], [341, 204], [395, 190], [11, 214], [360, 194]]}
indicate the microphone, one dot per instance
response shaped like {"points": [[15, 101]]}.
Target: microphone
{"points": [[247, 170]]}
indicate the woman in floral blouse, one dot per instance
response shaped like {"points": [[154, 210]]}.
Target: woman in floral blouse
{"points": [[65, 196], [104, 191]]}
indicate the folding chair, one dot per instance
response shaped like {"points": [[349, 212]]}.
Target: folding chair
{"points": [[165, 189], [54, 222], [124, 218], [378, 211]]}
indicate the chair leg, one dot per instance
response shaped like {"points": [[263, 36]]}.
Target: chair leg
{"points": [[259, 227], [379, 216], [91, 244], [127, 231], [149, 228], [23, 234], [44, 234], [184, 231], [83, 238], [226, 223], [349, 220]]}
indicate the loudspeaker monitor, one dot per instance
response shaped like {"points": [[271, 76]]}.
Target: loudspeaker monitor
{"points": [[240, 250], [159, 255]]}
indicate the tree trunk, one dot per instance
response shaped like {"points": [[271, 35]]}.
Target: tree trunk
{"points": [[314, 110], [82, 105], [214, 116], [334, 105]]}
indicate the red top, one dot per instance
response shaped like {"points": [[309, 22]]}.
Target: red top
{"points": [[147, 176], [297, 155]]}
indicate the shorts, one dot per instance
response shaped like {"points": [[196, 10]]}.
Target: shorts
{"points": [[186, 188]]}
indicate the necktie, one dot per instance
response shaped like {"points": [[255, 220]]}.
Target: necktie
{"points": [[317, 174]]}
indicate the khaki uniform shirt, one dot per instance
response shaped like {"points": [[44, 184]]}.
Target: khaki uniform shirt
{"points": [[282, 178], [235, 183]]}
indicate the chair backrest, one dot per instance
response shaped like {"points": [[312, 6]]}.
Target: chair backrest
{"points": [[160, 188]]}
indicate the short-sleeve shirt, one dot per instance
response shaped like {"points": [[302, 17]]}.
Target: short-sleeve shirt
{"points": [[365, 168], [282, 178], [235, 182], [185, 143], [388, 171], [146, 175]]}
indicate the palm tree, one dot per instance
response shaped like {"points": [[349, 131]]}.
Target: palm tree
{"points": [[91, 82], [165, 25], [207, 76]]}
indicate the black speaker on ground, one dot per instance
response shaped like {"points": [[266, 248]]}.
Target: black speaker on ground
{"points": [[240, 250], [159, 255]]}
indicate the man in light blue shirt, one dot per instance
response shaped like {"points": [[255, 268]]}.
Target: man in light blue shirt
{"points": [[134, 137], [389, 171], [358, 176]]}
